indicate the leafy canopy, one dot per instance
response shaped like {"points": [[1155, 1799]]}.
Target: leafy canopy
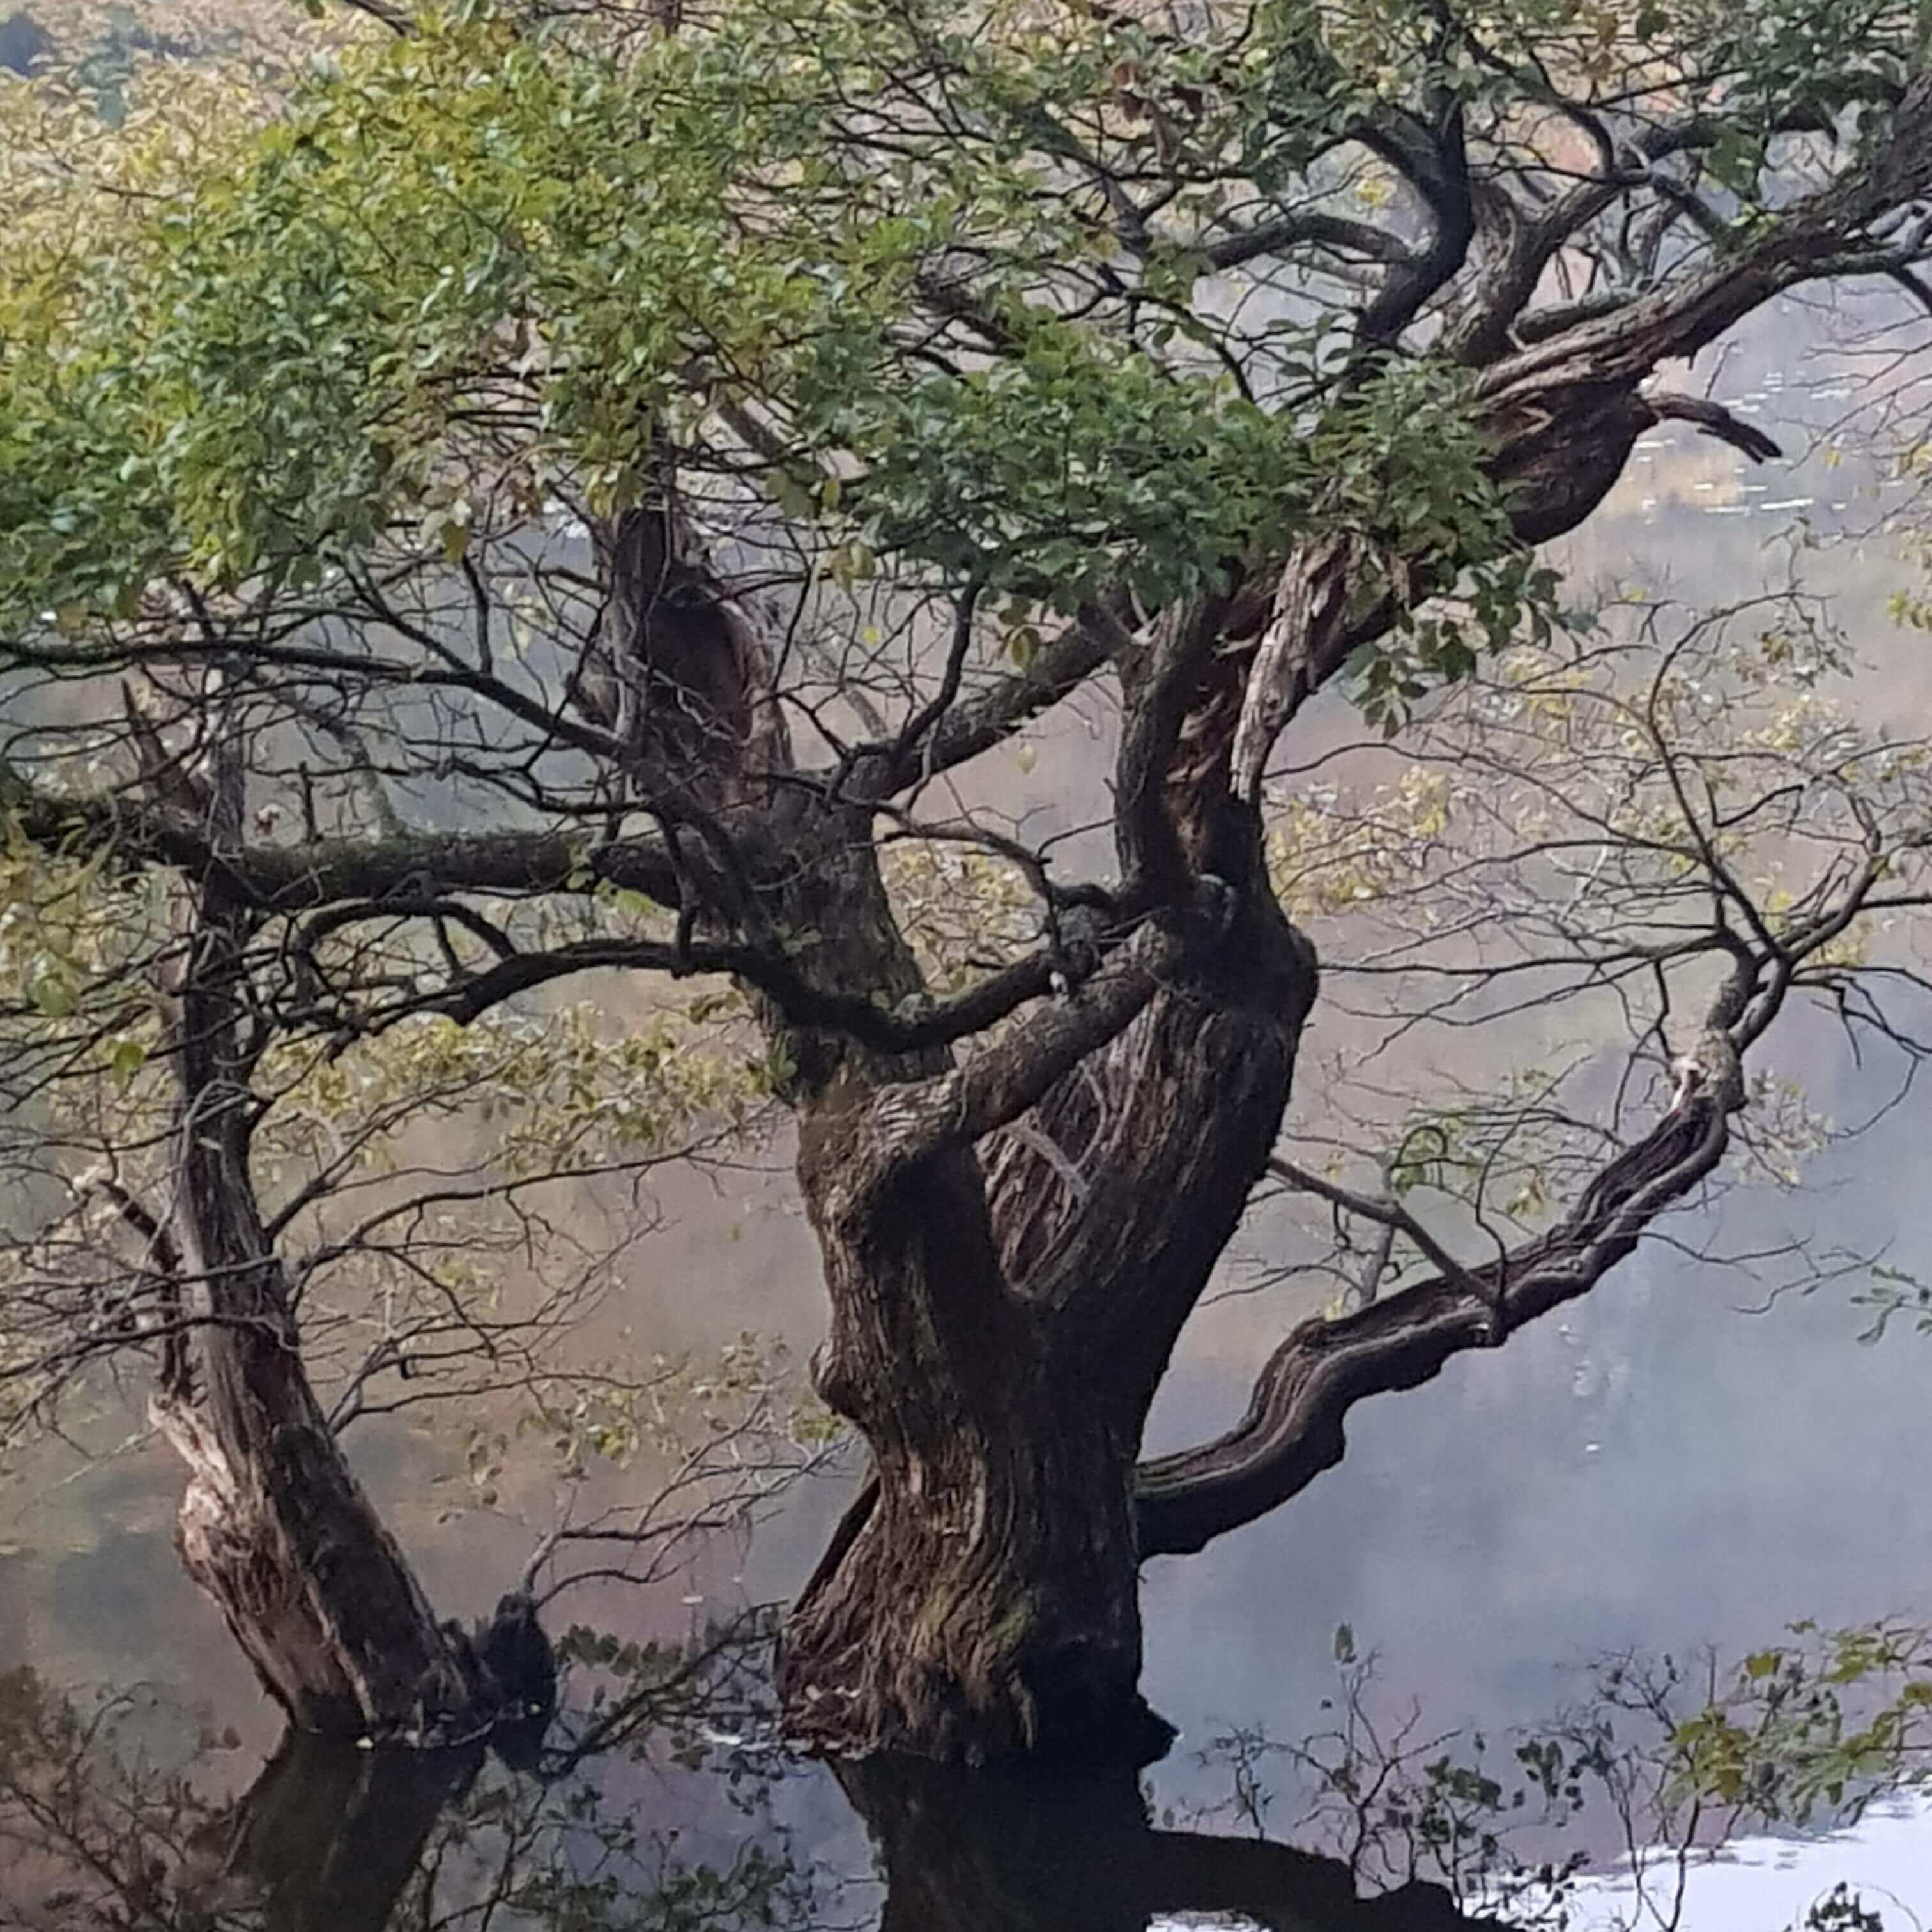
{"points": [[479, 256]]}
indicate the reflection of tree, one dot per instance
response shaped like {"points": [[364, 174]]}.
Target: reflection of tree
{"points": [[328, 1836], [331, 1839], [991, 1851], [1404, 1828], [98, 1830]]}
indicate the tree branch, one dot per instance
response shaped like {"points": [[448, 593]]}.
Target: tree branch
{"points": [[1321, 231], [1714, 419], [1293, 1429], [281, 879], [1802, 241], [922, 1025], [964, 730], [1390, 1214], [910, 1123]]}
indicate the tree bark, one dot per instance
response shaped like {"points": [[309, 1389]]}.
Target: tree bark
{"points": [[999, 1350], [273, 1525], [998, 1337], [984, 1601], [277, 1532], [995, 1338]]}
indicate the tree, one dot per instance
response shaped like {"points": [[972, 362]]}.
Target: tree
{"points": [[573, 492]]}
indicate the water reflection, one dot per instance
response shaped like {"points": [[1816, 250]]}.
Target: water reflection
{"points": [[334, 1839], [965, 1852], [107, 1819], [661, 1799], [325, 1841]]}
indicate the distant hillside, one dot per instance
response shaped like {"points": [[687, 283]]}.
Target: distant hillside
{"points": [[101, 43], [99, 46], [23, 41]]}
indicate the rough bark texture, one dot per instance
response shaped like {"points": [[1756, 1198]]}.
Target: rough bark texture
{"points": [[273, 1525], [985, 1603], [275, 1529], [986, 1599]]}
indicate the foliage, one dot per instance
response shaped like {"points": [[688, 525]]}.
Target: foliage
{"points": [[477, 266], [1673, 1760]]}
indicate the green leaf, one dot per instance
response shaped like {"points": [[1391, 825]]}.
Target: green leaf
{"points": [[54, 995]]}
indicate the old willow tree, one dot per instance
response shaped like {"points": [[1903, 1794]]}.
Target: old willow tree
{"points": [[541, 492]]}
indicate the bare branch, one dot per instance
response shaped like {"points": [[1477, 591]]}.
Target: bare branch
{"points": [[1293, 1429]]}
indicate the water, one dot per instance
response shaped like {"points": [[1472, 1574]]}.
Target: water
{"points": [[1659, 1473], [1764, 1881]]}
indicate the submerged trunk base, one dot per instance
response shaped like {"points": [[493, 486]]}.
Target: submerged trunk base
{"points": [[277, 1534], [1075, 1851], [1050, 1712], [967, 1650]]}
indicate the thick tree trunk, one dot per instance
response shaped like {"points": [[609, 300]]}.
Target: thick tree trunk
{"points": [[982, 1601], [998, 1331], [998, 1349]]}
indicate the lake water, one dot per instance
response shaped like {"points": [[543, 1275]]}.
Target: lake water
{"points": [[1663, 1473]]}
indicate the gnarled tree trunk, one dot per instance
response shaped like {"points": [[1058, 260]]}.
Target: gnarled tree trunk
{"points": [[998, 1337], [1011, 1244], [273, 1525], [982, 1599]]}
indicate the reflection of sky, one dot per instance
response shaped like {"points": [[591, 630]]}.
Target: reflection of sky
{"points": [[1765, 1885]]}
